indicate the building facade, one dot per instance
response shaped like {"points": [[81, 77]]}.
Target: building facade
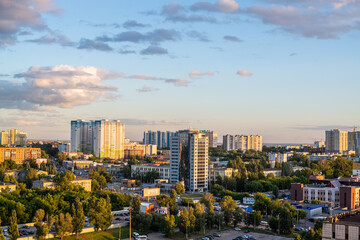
{"points": [[141, 170], [19, 154], [103, 138], [189, 159], [223, 172], [64, 147], [353, 142], [244, 143], [336, 141], [213, 138], [161, 139]]}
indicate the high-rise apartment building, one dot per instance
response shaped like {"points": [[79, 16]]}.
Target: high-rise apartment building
{"points": [[213, 138], [4, 138], [228, 142], [109, 138], [103, 138], [189, 159], [161, 139], [336, 141], [82, 139], [353, 142], [13, 137], [252, 142]]}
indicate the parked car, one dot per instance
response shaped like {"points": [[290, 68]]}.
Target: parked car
{"points": [[205, 238], [237, 229], [216, 234], [135, 234], [246, 231], [141, 237]]}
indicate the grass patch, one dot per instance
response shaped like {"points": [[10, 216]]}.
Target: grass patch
{"points": [[110, 234], [191, 195]]}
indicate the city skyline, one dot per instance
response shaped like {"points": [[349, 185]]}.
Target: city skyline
{"points": [[277, 69]]}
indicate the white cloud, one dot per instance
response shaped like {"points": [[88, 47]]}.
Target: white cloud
{"points": [[61, 86], [244, 73]]}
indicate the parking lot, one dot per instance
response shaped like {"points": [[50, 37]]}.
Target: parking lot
{"points": [[231, 234]]}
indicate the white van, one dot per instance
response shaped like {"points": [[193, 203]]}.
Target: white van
{"points": [[264, 223]]}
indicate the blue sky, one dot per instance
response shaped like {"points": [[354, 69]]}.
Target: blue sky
{"points": [[286, 70]]}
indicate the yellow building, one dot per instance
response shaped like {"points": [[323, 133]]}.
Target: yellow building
{"points": [[4, 187], [19, 154], [4, 138], [85, 183]]}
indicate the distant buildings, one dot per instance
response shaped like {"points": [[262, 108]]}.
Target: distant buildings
{"points": [[13, 137], [133, 149], [252, 142], [103, 138], [353, 142], [277, 158], [161, 139], [19, 154], [213, 138], [64, 147], [336, 141], [189, 159]]}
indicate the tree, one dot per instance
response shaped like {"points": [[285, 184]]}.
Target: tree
{"points": [[172, 203], [100, 213], [136, 204], [2, 237], [253, 218], [276, 191], [228, 205], [219, 220], [286, 221], [286, 169], [179, 187], [238, 214], [142, 221], [64, 180], [170, 225], [184, 221], [273, 223], [163, 200], [42, 224], [262, 203], [63, 225], [13, 228], [208, 200], [192, 219], [78, 218], [200, 217]]}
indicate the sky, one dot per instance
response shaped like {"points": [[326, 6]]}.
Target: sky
{"points": [[286, 70]]}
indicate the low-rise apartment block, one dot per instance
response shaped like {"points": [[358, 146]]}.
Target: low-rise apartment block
{"points": [[333, 192], [42, 183], [223, 172], [7, 187], [164, 171], [19, 154]]}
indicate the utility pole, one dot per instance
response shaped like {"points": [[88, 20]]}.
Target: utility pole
{"points": [[130, 225], [278, 217], [120, 231]]}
